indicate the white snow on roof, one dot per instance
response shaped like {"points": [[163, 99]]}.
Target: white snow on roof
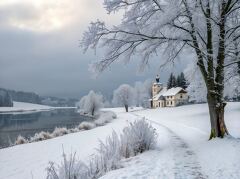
{"points": [[164, 90], [157, 83], [167, 92], [172, 91]]}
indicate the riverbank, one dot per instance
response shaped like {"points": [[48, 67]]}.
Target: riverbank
{"points": [[29, 107]]}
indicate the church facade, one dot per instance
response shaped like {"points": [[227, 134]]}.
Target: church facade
{"points": [[163, 97]]}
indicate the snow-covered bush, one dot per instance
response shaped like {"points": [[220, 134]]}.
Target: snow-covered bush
{"points": [[138, 137], [108, 157], [124, 96], [21, 140], [114, 115], [109, 152], [73, 130], [40, 136], [59, 131], [105, 117], [91, 103], [102, 120], [86, 125], [70, 168]]}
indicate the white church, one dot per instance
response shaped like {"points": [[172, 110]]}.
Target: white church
{"points": [[163, 97]]}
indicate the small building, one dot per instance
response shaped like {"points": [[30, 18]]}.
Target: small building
{"points": [[163, 97]]}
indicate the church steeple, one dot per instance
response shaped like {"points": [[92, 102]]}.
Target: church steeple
{"points": [[157, 86], [157, 78]]}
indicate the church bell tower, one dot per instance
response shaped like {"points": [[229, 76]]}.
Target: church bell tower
{"points": [[157, 78], [157, 86]]}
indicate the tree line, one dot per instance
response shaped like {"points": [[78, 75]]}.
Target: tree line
{"points": [[125, 95], [179, 81]]}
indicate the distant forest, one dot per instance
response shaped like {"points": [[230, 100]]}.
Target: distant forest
{"points": [[8, 96]]}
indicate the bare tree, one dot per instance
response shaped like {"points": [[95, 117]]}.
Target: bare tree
{"points": [[210, 29], [123, 96]]}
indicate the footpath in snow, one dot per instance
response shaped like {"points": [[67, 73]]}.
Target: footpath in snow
{"points": [[183, 150]]}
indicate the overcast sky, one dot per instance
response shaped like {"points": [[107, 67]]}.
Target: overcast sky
{"points": [[39, 49]]}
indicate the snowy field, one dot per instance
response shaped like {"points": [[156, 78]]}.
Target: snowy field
{"points": [[27, 107], [183, 150]]}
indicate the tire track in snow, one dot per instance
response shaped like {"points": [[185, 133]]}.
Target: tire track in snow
{"points": [[186, 164]]}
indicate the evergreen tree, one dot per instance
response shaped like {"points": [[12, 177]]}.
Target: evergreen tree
{"points": [[169, 84], [183, 82], [178, 81], [172, 82]]}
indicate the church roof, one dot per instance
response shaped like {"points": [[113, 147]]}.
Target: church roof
{"points": [[168, 92], [156, 97], [157, 83], [173, 91]]}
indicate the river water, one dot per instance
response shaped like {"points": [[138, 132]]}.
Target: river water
{"points": [[27, 124]]}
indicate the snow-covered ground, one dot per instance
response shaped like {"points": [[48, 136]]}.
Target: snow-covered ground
{"points": [[183, 148], [26, 107]]}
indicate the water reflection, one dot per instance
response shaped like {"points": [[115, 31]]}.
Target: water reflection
{"points": [[12, 125]]}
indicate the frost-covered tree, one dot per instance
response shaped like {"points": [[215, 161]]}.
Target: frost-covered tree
{"points": [[138, 93], [232, 85], [196, 90], [147, 86], [142, 93], [91, 103], [107, 104], [124, 95], [209, 29]]}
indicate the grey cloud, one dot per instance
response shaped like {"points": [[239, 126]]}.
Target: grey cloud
{"points": [[20, 11], [53, 64]]}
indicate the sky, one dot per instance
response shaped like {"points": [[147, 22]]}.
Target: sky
{"points": [[39, 49]]}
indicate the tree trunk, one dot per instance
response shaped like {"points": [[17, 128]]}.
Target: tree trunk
{"points": [[216, 111], [239, 68], [216, 95], [93, 112], [126, 107]]}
